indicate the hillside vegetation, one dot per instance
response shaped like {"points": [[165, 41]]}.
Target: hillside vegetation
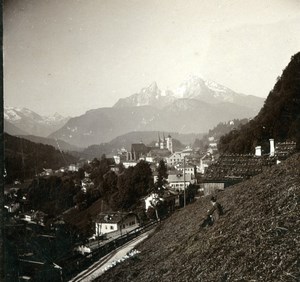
{"points": [[24, 159], [279, 118], [218, 131], [57, 144], [258, 238]]}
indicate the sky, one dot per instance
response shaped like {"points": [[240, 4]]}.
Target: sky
{"points": [[70, 56]]}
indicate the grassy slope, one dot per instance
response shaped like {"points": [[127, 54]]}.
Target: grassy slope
{"points": [[258, 239]]}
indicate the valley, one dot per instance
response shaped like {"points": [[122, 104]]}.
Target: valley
{"points": [[157, 158]]}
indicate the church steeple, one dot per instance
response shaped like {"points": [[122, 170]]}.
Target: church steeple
{"points": [[162, 142], [169, 143], [157, 144]]}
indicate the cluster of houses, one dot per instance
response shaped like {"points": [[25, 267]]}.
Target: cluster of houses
{"points": [[139, 151], [217, 172], [182, 165], [229, 169], [184, 168], [69, 168]]}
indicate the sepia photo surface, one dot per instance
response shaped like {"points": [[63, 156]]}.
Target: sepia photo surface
{"points": [[151, 140]]}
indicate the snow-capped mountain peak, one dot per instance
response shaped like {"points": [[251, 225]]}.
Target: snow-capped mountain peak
{"points": [[193, 88], [152, 88], [11, 114], [147, 96], [215, 86], [196, 87], [55, 118], [33, 123]]}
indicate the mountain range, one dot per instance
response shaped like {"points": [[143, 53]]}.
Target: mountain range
{"points": [[195, 88], [196, 106], [22, 121]]}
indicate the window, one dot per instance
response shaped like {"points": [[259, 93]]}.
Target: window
{"points": [[111, 227]]}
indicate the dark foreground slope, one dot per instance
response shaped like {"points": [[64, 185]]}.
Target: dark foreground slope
{"points": [[258, 239]]}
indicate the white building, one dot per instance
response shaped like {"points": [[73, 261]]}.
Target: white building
{"points": [[177, 158], [212, 147], [73, 167], [107, 223], [179, 181], [205, 162], [128, 164], [187, 169], [148, 159], [117, 159], [152, 200]]}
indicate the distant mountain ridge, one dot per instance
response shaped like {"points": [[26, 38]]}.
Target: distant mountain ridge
{"points": [[196, 107], [57, 144], [183, 116], [195, 88], [29, 122], [12, 129]]}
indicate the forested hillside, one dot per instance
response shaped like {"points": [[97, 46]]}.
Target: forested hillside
{"points": [[279, 118], [24, 159], [219, 130]]}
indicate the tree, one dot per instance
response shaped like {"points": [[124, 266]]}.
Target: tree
{"points": [[80, 173], [121, 168], [162, 176], [108, 185], [133, 183], [142, 179], [124, 197]]}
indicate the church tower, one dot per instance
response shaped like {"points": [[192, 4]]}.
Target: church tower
{"points": [[169, 143], [162, 143]]}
